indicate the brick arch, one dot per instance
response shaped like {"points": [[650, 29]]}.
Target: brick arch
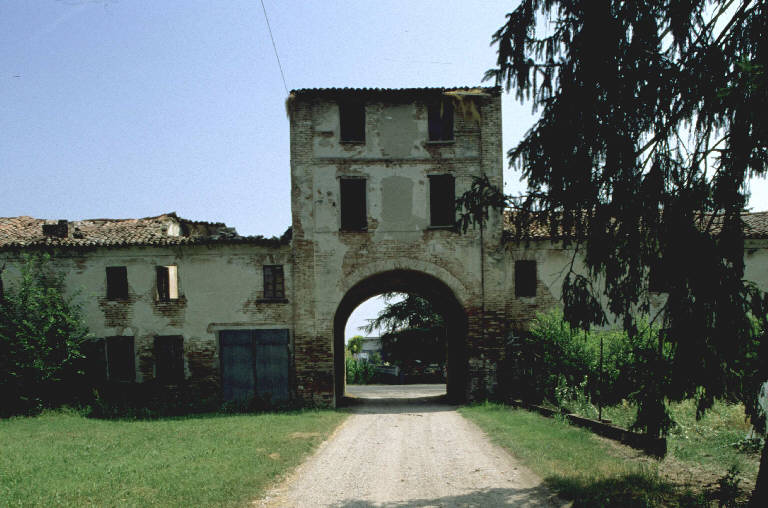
{"points": [[408, 280]]}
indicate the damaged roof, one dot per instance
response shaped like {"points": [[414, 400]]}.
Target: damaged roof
{"points": [[755, 226], [161, 230], [372, 91]]}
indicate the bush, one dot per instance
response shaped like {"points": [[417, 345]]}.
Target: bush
{"points": [[555, 363], [359, 371], [41, 331]]}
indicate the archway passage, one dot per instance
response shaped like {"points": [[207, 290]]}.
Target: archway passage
{"points": [[443, 301]]}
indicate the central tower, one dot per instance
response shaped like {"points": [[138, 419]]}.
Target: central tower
{"points": [[374, 177]]}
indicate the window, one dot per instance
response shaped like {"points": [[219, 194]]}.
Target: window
{"points": [[352, 120], [442, 201], [169, 358], [354, 215], [120, 360], [117, 283], [167, 283], [274, 282], [525, 278], [440, 118]]}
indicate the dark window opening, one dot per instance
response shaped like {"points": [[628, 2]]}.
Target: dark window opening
{"points": [[117, 283], [442, 201], [440, 118], [354, 215], [274, 282], [525, 278], [352, 120], [120, 359], [169, 358], [167, 283]]}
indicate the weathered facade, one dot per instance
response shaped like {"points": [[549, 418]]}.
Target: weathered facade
{"points": [[374, 177]]}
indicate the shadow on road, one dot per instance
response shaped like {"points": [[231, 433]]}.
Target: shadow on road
{"points": [[488, 498]]}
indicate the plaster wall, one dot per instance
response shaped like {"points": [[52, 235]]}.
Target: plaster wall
{"points": [[220, 287]]}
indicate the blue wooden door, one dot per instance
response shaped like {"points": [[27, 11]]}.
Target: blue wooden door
{"points": [[255, 362], [236, 353], [271, 355]]}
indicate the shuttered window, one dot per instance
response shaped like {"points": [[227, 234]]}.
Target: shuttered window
{"points": [[120, 360], [167, 283], [169, 358], [440, 118], [274, 281], [525, 278], [117, 283], [442, 200], [352, 121], [353, 208]]}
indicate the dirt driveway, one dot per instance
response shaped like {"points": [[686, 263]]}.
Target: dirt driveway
{"points": [[403, 447]]}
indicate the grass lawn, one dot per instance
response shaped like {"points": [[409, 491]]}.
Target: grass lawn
{"points": [[576, 463], [62, 458], [706, 443]]}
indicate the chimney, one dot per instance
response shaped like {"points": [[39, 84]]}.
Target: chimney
{"points": [[58, 230]]}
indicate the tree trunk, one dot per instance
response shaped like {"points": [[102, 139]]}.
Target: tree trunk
{"points": [[760, 494]]}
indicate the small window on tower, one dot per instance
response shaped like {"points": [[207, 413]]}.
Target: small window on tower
{"points": [[440, 118], [352, 120], [167, 283], [274, 282], [442, 201], [525, 278], [354, 214], [117, 283]]}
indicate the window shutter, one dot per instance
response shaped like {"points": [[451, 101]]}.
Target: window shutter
{"points": [[442, 200], [353, 207]]}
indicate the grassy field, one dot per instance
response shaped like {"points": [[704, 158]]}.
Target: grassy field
{"points": [[579, 465], [707, 443], [64, 459]]}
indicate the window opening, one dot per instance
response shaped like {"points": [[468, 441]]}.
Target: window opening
{"points": [[442, 201], [169, 358], [525, 278], [352, 120], [274, 281], [120, 359], [117, 283], [167, 283], [440, 118], [353, 208]]}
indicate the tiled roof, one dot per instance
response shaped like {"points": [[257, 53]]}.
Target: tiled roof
{"points": [[341, 91], [166, 229], [755, 226]]}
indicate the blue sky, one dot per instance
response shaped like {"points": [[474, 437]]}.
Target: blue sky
{"points": [[134, 108]]}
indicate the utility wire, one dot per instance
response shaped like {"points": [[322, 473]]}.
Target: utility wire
{"points": [[275, 47]]}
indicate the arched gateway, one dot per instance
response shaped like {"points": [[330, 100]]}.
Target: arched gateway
{"points": [[375, 174], [443, 301]]}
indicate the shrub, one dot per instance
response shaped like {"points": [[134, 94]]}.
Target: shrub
{"points": [[41, 331]]}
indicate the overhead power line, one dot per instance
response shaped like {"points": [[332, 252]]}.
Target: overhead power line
{"points": [[279, 65]]}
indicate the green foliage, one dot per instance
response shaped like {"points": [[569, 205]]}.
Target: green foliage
{"points": [[41, 331], [638, 162], [413, 330], [355, 344], [359, 371]]}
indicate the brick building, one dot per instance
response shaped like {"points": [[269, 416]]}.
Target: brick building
{"points": [[374, 176]]}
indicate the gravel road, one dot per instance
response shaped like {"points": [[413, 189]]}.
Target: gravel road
{"points": [[402, 447]]}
